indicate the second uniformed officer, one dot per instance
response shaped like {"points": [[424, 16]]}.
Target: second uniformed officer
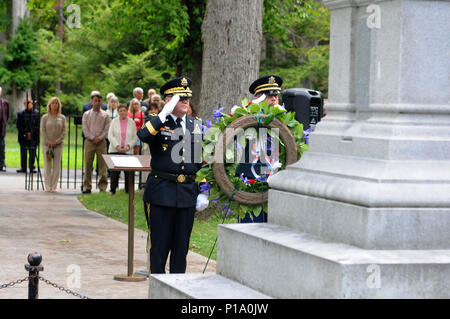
{"points": [[171, 193]]}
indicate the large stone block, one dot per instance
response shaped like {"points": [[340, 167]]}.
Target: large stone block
{"points": [[285, 264], [361, 226]]}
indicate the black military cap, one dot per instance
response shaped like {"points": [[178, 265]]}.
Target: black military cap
{"points": [[269, 84], [180, 86]]}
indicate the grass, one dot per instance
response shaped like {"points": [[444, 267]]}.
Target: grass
{"points": [[204, 231], [12, 149], [115, 206]]}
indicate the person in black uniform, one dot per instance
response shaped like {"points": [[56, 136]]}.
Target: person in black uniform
{"points": [[266, 88], [171, 194], [28, 123]]}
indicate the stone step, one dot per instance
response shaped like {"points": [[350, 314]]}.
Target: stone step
{"points": [[275, 260], [370, 203], [365, 227], [198, 286]]}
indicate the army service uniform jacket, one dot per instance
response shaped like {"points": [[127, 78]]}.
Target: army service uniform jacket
{"points": [[175, 154]]}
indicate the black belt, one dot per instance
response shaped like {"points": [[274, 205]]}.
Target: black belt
{"points": [[179, 178]]}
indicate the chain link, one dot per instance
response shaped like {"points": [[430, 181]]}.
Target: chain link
{"points": [[12, 283], [66, 290]]}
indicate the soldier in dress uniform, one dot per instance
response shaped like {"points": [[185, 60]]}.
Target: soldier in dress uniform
{"points": [[270, 86], [171, 194], [266, 88]]}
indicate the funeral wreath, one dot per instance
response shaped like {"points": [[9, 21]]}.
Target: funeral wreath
{"points": [[273, 139]]}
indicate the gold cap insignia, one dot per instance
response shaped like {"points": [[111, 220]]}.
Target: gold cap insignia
{"points": [[271, 80], [184, 82]]}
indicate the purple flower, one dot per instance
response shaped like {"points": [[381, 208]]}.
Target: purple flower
{"points": [[217, 114], [205, 187], [261, 178], [208, 123], [306, 135], [244, 179]]}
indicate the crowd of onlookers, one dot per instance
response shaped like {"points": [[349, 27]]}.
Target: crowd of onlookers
{"points": [[109, 127]]}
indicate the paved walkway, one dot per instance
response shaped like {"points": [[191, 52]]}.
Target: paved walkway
{"points": [[71, 240]]}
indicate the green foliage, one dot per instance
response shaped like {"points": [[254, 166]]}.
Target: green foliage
{"points": [[5, 20], [126, 43], [175, 27], [133, 71], [121, 44], [298, 44], [21, 58]]}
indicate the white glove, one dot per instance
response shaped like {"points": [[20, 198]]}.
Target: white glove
{"points": [[168, 108], [259, 100], [234, 108], [202, 202], [280, 107]]}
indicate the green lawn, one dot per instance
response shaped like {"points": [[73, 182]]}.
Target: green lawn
{"points": [[204, 232], [115, 206], [12, 149]]}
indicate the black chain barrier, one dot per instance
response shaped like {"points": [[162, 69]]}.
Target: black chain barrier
{"points": [[33, 278]]}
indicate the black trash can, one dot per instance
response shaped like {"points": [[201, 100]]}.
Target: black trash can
{"points": [[307, 105]]}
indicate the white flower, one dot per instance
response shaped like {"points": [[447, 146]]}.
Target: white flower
{"points": [[234, 108]]}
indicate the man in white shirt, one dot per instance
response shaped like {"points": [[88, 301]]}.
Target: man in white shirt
{"points": [[95, 129]]}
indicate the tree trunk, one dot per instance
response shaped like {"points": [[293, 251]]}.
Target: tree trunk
{"points": [[232, 36], [19, 11], [195, 9]]}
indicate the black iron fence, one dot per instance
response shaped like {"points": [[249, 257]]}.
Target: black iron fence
{"points": [[72, 162]]}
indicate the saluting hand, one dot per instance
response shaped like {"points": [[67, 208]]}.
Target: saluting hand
{"points": [[259, 100], [168, 108]]}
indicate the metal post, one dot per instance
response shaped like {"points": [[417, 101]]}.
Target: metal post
{"points": [[33, 267]]}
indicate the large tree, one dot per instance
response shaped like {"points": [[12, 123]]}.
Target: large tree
{"points": [[232, 37]]}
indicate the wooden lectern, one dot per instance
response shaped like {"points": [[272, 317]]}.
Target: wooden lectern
{"points": [[144, 161]]}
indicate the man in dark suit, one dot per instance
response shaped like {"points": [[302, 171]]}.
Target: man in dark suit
{"points": [[138, 93], [171, 194], [4, 115], [28, 135]]}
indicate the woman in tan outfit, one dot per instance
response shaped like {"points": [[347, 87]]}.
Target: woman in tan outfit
{"points": [[53, 131]]}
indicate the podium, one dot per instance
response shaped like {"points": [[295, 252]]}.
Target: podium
{"points": [[131, 164]]}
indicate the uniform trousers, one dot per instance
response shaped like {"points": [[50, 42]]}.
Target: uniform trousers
{"points": [[52, 167], [170, 231]]}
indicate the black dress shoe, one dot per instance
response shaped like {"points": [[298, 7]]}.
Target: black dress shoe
{"points": [[3, 169], [86, 191], [21, 171]]}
